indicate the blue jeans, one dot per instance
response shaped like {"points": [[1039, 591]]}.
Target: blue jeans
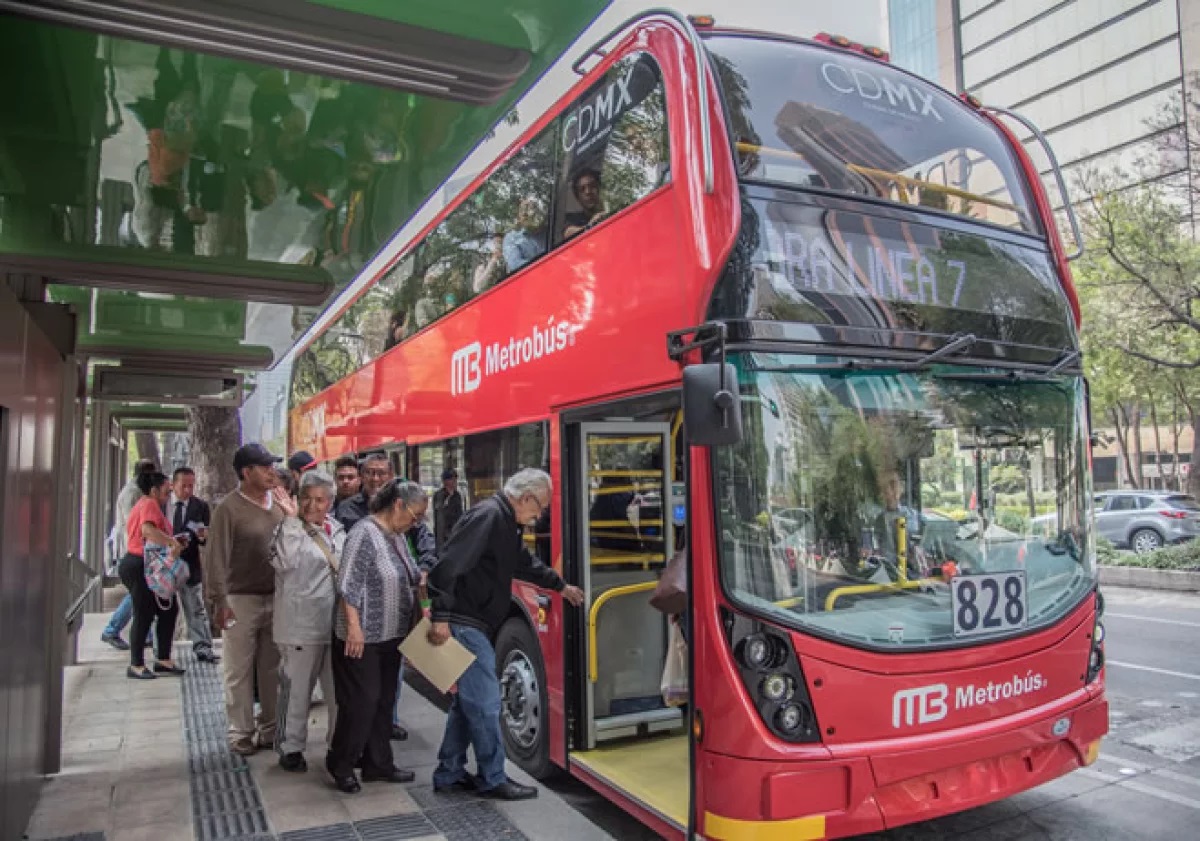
{"points": [[474, 718], [120, 618]]}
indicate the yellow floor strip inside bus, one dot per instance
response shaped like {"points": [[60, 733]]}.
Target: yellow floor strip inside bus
{"points": [[654, 771]]}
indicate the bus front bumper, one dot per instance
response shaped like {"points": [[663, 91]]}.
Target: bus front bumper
{"points": [[872, 788]]}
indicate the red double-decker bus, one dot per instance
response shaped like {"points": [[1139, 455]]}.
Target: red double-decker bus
{"points": [[805, 320]]}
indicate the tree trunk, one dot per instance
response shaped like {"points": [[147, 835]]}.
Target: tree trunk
{"points": [[1193, 479], [147, 447], [216, 433], [1138, 481], [1161, 477], [1122, 443], [1176, 479]]}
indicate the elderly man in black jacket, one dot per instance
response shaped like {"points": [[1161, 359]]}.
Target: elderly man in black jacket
{"points": [[471, 589]]}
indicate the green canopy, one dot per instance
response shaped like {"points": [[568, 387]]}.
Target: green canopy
{"points": [[199, 179]]}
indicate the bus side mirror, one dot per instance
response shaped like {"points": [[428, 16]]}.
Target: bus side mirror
{"points": [[712, 406]]}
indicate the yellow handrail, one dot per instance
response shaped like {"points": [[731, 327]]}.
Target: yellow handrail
{"points": [[902, 584], [593, 656]]}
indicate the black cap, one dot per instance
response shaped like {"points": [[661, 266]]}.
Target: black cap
{"points": [[301, 460], [449, 473], [251, 455]]}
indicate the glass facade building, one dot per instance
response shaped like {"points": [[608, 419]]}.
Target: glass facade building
{"points": [[912, 36]]}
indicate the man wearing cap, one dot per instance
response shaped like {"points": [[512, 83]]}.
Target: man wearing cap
{"points": [[242, 585], [447, 507], [299, 463]]}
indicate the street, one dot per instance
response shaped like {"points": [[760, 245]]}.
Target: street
{"points": [[1146, 783]]}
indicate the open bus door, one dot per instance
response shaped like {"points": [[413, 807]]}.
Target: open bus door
{"points": [[622, 498]]}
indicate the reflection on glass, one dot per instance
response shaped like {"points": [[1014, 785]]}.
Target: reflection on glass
{"points": [[831, 120], [981, 476], [625, 514], [505, 224]]}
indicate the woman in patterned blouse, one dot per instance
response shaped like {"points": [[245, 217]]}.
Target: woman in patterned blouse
{"points": [[378, 597]]}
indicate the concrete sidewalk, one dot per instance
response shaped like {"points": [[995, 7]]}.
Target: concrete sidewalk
{"points": [[146, 760]]}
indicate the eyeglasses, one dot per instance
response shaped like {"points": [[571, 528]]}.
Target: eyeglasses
{"points": [[377, 474]]}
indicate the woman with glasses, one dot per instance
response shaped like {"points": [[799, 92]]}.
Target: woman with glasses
{"points": [[379, 603]]}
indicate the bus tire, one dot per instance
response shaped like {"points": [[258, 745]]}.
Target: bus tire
{"points": [[524, 707]]}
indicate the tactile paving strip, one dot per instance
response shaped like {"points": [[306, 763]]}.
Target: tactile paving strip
{"points": [[337, 832], [396, 826], [225, 800], [473, 819]]}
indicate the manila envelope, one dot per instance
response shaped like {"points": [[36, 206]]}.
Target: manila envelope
{"points": [[442, 665]]}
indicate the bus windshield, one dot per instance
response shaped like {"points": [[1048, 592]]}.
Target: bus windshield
{"points": [[982, 474], [832, 120]]}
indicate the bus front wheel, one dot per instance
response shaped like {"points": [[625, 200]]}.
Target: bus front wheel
{"points": [[524, 709]]}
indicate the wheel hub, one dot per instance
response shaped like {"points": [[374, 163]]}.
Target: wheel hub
{"points": [[520, 700]]}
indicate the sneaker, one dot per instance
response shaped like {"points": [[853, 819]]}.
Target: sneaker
{"points": [[115, 641], [205, 655], [293, 762], [243, 746], [399, 733]]}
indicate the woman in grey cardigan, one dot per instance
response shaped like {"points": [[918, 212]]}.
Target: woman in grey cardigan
{"points": [[306, 551]]}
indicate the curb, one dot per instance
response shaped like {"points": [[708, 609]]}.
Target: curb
{"points": [[1176, 580]]}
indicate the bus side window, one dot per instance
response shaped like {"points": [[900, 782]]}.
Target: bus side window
{"points": [[614, 144]]}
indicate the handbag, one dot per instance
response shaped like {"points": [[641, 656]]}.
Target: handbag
{"points": [[675, 684], [165, 575], [670, 595]]}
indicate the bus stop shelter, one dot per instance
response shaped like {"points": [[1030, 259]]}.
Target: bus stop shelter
{"points": [[183, 189]]}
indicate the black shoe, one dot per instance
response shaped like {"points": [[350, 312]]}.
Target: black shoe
{"points": [[293, 762], [399, 734], [144, 674], [510, 790], [347, 785], [396, 775], [206, 656], [115, 641], [467, 783], [160, 669]]}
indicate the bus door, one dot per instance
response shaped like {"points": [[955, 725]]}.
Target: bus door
{"points": [[627, 539]]}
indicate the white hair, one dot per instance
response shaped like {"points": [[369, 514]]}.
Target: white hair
{"points": [[530, 480], [315, 479]]}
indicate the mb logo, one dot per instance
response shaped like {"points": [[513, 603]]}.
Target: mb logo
{"points": [[464, 369], [922, 705]]}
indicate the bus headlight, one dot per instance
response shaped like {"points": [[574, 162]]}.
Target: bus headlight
{"points": [[777, 687], [771, 674], [790, 718], [1096, 655]]}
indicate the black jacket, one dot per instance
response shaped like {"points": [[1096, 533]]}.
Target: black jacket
{"points": [[195, 511], [354, 508], [472, 583], [446, 509]]}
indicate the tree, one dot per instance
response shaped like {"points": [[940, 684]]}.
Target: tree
{"points": [[216, 433], [147, 446], [1140, 285]]}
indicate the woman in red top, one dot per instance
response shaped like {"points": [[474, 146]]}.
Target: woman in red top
{"points": [[148, 523]]}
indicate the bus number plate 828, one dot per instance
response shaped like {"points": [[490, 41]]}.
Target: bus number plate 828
{"points": [[988, 604]]}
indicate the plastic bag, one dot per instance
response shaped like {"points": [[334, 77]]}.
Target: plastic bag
{"points": [[675, 684]]}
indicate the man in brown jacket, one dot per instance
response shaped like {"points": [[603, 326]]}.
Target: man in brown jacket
{"points": [[242, 584]]}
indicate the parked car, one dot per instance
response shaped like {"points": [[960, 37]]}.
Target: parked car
{"points": [[1146, 520]]}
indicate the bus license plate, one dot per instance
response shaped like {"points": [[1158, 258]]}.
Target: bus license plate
{"points": [[988, 604]]}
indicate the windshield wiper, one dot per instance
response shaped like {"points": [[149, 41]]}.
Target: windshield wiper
{"points": [[955, 344], [1050, 375]]}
